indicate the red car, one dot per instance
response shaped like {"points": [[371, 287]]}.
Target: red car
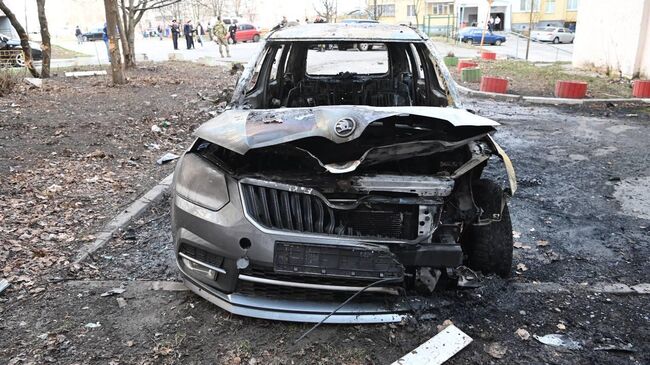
{"points": [[246, 33]]}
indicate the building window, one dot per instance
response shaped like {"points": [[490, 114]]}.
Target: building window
{"points": [[386, 10], [524, 5], [410, 10], [550, 6], [572, 5], [440, 9]]}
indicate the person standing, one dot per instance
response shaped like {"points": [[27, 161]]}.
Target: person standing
{"points": [[187, 31], [175, 32], [105, 39], [233, 32], [79, 35], [491, 24], [200, 32], [219, 34], [160, 31], [497, 23]]}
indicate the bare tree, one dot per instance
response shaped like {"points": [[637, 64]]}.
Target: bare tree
{"points": [[46, 46], [216, 6], [416, 11], [237, 5], [375, 11], [250, 10], [132, 12], [326, 9], [24, 38], [117, 73]]}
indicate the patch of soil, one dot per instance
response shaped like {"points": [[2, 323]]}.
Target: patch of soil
{"points": [[78, 150]]}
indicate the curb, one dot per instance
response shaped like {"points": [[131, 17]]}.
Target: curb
{"points": [[545, 100], [121, 220]]}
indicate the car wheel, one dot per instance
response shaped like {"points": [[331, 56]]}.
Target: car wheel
{"points": [[488, 247], [84, 38], [556, 40], [363, 47], [20, 60], [256, 38], [229, 40], [497, 43]]}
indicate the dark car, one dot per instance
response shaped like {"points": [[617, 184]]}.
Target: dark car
{"points": [[332, 174], [14, 56], [474, 37], [93, 35]]}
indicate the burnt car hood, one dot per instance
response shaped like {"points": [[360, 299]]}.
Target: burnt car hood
{"points": [[240, 130]]}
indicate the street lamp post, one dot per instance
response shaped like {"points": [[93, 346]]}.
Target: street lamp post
{"points": [[530, 28]]}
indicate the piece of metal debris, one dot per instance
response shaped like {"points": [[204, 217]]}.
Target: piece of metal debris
{"points": [[438, 349], [93, 325], [616, 348], [34, 82], [4, 284], [85, 73], [166, 158], [113, 292], [559, 340], [121, 302]]}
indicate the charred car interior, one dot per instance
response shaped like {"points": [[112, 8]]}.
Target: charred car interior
{"points": [[332, 174]]}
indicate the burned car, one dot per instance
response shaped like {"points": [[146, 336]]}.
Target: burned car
{"points": [[335, 173]]}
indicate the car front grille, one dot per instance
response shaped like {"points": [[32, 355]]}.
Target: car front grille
{"points": [[299, 211]]}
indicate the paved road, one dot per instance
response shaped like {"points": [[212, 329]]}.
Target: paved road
{"points": [[157, 50], [515, 47]]}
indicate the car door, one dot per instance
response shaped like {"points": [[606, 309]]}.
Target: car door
{"points": [[568, 36]]}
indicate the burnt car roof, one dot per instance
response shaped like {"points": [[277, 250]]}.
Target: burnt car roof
{"points": [[347, 32]]}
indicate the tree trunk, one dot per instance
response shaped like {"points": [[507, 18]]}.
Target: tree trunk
{"points": [[127, 47], [46, 46], [110, 7], [24, 38]]}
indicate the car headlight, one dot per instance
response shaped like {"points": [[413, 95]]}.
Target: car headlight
{"points": [[200, 182]]}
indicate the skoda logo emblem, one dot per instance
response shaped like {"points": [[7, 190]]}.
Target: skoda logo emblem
{"points": [[345, 127]]}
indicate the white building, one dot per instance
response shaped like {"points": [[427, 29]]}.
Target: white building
{"points": [[475, 12], [614, 38]]}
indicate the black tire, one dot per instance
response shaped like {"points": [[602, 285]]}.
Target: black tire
{"points": [[556, 40], [498, 42], [363, 47], [19, 60], [256, 38], [488, 248]]}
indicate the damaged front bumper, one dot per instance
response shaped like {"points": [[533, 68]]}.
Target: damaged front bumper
{"points": [[230, 259]]}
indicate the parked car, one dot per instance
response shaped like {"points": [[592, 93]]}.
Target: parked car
{"points": [[553, 34], [246, 33], [330, 174], [474, 37], [96, 34], [16, 58]]}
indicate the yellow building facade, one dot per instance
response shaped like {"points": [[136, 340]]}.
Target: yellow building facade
{"points": [[545, 13]]}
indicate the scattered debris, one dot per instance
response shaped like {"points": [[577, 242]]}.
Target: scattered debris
{"points": [[521, 245], [166, 158], [521, 267], [438, 349], [561, 326], [156, 129], [523, 334], [559, 340], [496, 350], [542, 243], [516, 235], [85, 73], [113, 291], [93, 325], [34, 82], [446, 323], [4, 284], [121, 302], [615, 348]]}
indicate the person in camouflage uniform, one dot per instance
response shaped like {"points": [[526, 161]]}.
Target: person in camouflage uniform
{"points": [[219, 35]]}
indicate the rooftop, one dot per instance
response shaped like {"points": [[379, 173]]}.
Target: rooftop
{"points": [[375, 32]]}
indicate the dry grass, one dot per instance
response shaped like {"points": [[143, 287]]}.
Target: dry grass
{"points": [[8, 80], [526, 78]]}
